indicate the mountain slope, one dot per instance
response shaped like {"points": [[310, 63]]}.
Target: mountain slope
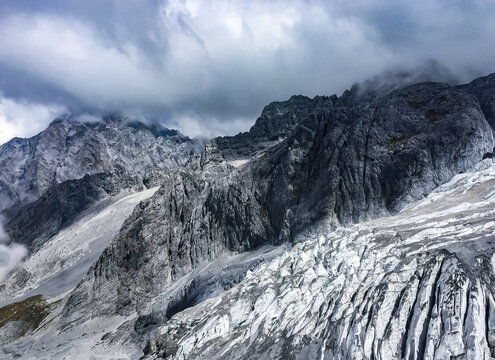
{"points": [[484, 89], [61, 262], [69, 149], [416, 285], [308, 167], [60, 205]]}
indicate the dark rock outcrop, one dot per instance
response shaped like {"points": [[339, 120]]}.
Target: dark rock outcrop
{"points": [[484, 89]]}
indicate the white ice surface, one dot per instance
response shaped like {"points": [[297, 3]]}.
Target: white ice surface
{"points": [[238, 163]]}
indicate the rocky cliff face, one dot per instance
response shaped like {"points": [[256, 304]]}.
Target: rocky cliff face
{"points": [[47, 180], [484, 89], [339, 160], [37, 222], [69, 149], [58, 263]]}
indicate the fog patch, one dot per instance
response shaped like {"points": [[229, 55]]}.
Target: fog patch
{"points": [[88, 118], [11, 255], [203, 126], [399, 77]]}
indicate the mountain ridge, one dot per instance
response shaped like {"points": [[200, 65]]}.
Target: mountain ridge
{"points": [[328, 161], [218, 207], [69, 149]]}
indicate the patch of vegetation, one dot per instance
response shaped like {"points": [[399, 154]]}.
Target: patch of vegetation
{"points": [[29, 313]]}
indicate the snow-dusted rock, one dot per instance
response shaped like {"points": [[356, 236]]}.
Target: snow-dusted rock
{"points": [[417, 285], [61, 262]]}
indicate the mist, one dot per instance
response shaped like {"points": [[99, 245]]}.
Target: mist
{"points": [[11, 254]]}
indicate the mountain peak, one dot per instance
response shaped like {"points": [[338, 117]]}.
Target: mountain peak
{"points": [[75, 145]]}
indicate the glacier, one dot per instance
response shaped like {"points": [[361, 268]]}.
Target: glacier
{"points": [[417, 285]]}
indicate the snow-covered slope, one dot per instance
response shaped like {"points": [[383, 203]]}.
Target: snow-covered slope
{"points": [[417, 285], [63, 261]]}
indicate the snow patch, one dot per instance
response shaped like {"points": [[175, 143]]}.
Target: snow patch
{"points": [[238, 163]]}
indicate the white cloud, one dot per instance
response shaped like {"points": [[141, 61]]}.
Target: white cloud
{"points": [[219, 60], [11, 255], [24, 119], [193, 125], [88, 118], [72, 56]]}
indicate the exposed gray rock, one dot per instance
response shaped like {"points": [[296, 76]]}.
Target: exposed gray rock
{"points": [[484, 89], [69, 149], [306, 164], [341, 160], [71, 165], [60, 205], [59, 264]]}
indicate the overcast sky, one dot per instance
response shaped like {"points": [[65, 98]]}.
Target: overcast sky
{"points": [[209, 67]]}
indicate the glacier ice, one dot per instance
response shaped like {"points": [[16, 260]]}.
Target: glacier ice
{"points": [[416, 285]]}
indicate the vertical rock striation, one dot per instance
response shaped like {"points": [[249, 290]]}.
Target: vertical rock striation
{"points": [[69, 149], [416, 285]]}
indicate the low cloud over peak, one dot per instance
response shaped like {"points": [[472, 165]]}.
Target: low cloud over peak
{"points": [[209, 67]]}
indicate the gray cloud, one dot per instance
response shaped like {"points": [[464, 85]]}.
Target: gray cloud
{"points": [[209, 67]]}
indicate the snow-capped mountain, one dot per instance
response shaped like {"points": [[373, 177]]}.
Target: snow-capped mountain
{"points": [[47, 180], [357, 226]]}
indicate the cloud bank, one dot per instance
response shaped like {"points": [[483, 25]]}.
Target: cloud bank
{"points": [[208, 68], [11, 255]]}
